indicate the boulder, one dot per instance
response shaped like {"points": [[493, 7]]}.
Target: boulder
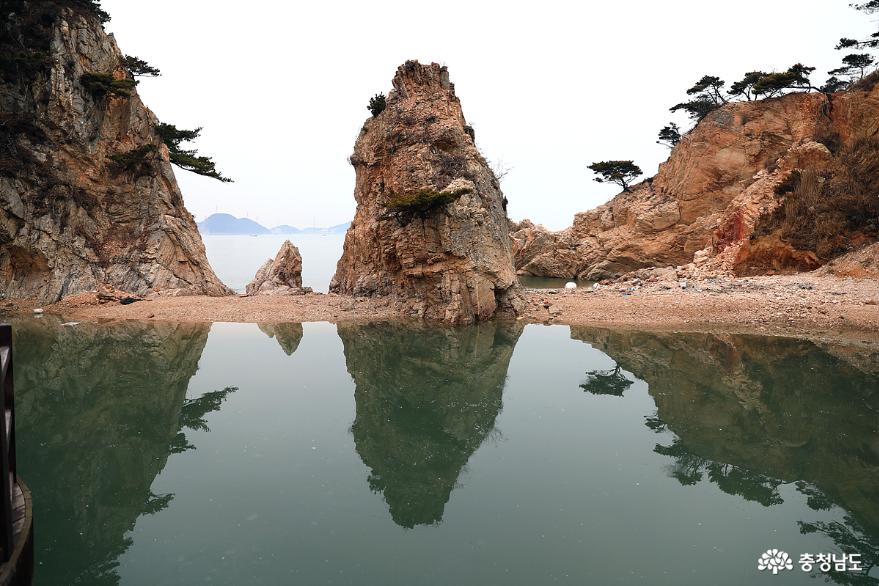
{"points": [[281, 276]]}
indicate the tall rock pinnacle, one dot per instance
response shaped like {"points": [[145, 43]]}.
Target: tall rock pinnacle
{"points": [[431, 227]]}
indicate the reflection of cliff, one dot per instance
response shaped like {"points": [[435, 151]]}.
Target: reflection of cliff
{"points": [[99, 409], [287, 335], [426, 399], [751, 412]]}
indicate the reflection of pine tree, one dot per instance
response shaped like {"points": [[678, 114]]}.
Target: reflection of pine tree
{"points": [[815, 497], [192, 416], [850, 537], [193, 411], [688, 469], [606, 382]]}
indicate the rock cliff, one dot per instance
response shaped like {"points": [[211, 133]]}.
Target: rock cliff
{"points": [[87, 193], [281, 276], [431, 228], [720, 198]]}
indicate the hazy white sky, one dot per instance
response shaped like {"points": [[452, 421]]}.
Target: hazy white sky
{"points": [[281, 87]]}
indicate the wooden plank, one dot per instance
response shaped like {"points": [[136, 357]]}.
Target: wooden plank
{"points": [[4, 362]]}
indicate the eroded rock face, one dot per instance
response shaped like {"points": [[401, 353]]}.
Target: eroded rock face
{"points": [[281, 276], [861, 264], [709, 195], [72, 219], [453, 263]]}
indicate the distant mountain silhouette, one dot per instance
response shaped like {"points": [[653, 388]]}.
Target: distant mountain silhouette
{"points": [[229, 224]]}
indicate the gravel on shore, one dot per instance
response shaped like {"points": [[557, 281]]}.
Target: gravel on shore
{"points": [[804, 305]]}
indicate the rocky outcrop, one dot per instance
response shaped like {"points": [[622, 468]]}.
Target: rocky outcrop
{"points": [[281, 276], [431, 228], [860, 264], [87, 193], [709, 197]]}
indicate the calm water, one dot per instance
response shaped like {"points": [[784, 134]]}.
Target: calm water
{"points": [[387, 454]]}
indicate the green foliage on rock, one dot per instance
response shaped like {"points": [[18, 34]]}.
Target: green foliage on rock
{"points": [[420, 203], [833, 85], [744, 88], [620, 172], [93, 6], [377, 104], [707, 97], [104, 84], [670, 135], [138, 67], [773, 84], [854, 66], [135, 159], [17, 61], [188, 159]]}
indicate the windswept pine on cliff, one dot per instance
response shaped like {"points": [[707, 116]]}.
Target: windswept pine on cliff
{"points": [[728, 191]]}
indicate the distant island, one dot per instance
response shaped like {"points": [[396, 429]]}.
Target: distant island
{"points": [[227, 224]]}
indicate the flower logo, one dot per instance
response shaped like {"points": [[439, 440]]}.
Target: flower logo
{"points": [[775, 560]]}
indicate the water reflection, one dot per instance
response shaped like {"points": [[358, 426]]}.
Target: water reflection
{"points": [[288, 335], [750, 414], [109, 402], [606, 382], [426, 399], [741, 424]]}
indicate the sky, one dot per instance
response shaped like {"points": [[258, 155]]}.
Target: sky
{"points": [[281, 88]]}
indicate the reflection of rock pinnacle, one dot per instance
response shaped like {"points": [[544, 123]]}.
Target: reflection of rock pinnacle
{"points": [[426, 398], [287, 335]]}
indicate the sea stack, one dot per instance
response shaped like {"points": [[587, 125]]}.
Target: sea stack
{"points": [[431, 228], [87, 193], [281, 276]]}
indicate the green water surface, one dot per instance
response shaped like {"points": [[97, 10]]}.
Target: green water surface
{"points": [[499, 454]]}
